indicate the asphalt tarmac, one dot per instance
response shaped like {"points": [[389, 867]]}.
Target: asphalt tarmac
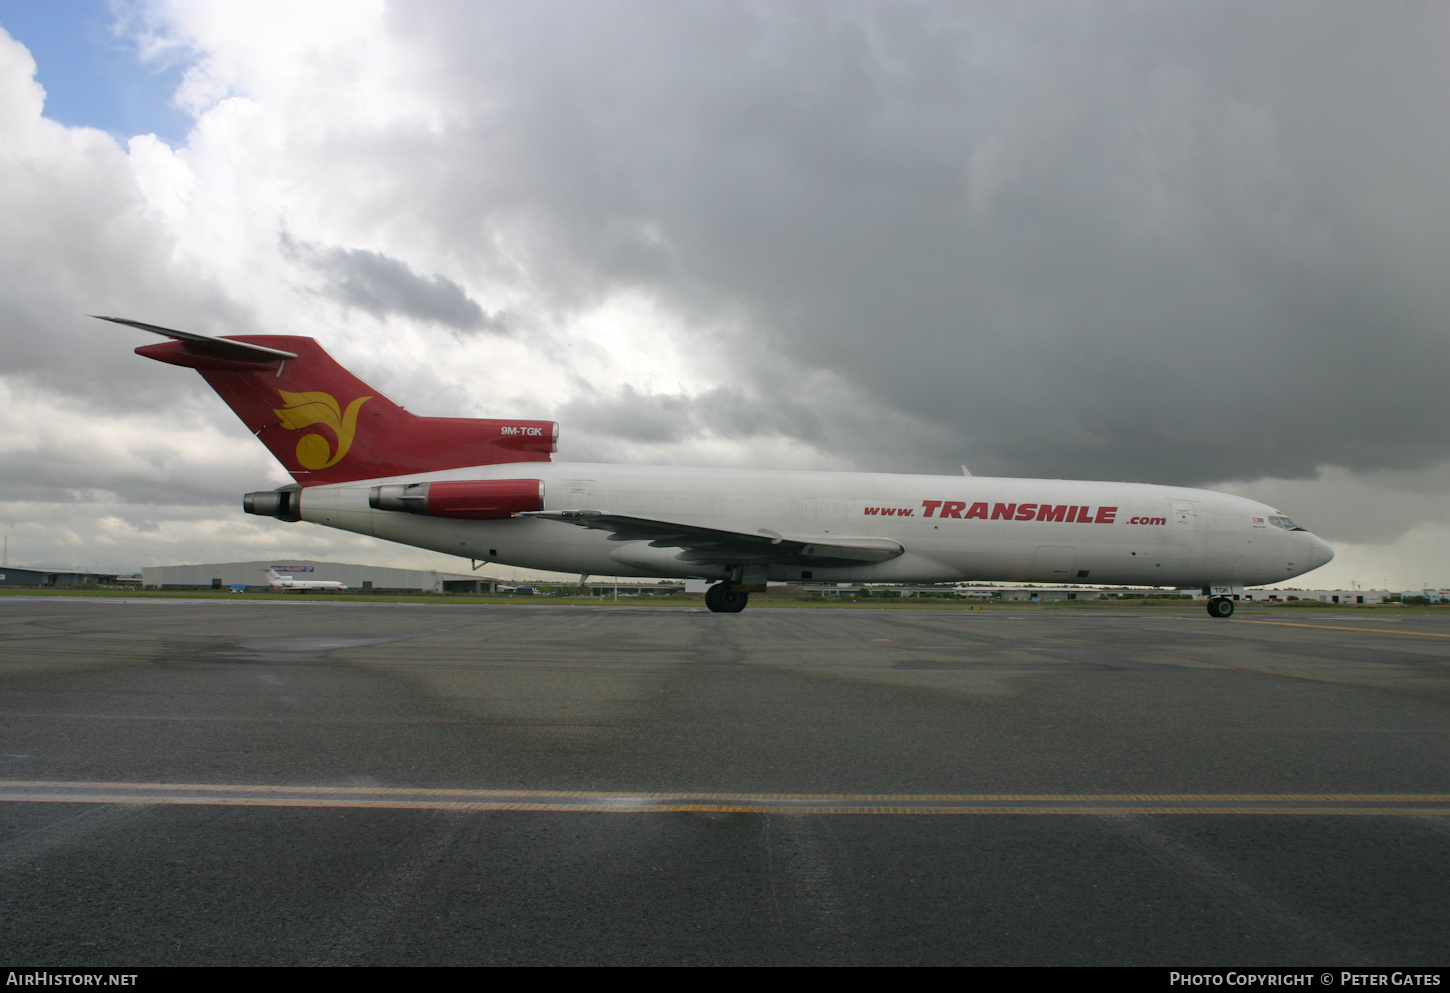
{"points": [[314, 782]]}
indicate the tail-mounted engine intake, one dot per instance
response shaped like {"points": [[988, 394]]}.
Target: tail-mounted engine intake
{"points": [[285, 503], [474, 499]]}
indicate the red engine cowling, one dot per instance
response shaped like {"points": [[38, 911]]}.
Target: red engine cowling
{"points": [[471, 499]]}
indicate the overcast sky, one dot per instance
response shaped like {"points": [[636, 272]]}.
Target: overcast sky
{"points": [[1203, 244]]}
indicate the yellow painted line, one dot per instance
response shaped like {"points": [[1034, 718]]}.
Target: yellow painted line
{"points": [[1341, 627], [589, 801], [726, 808], [422, 792]]}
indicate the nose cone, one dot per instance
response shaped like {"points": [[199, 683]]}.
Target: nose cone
{"points": [[1319, 552]]}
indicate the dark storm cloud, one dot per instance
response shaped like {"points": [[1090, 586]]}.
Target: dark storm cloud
{"points": [[724, 412], [384, 286], [1152, 241]]}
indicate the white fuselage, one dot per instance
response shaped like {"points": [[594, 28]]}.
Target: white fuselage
{"points": [[953, 528], [286, 583]]}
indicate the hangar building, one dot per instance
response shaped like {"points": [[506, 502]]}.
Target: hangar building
{"points": [[221, 575], [19, 575]]}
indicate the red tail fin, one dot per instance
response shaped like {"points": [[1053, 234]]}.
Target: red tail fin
{"points": [[327, 426]]}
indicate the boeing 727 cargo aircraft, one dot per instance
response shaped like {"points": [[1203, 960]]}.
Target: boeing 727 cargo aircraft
{"points": [[487, 489], [290, 584]]}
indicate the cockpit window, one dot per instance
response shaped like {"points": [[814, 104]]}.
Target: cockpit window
{"points": [[1285, 523]]}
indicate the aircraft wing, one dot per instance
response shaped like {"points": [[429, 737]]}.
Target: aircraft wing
{"points": [[712, 546]]}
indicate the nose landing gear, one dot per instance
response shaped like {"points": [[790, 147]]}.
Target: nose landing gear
{"points": [[1220, 606], [724, 598]]}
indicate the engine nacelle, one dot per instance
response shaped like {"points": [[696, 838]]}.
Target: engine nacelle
{"points": [[285, 503], [471, 499]]}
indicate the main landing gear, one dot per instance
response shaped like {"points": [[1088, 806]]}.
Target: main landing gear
{"points": [[1220, 606], [726, 599]]}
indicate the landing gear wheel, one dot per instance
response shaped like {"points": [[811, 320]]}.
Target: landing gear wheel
{"points": [[1220, 607], [725, 599]]}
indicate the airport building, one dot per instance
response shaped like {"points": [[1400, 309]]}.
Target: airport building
{"points": [[253, 575], [19, 575], [1042, 593], [1323, 596]]}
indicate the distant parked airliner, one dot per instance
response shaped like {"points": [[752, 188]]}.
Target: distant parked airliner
{"points": [[487, 489], [288, 584]]}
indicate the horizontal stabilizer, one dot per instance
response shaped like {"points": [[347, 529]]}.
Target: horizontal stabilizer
{"points": [[226, 347], [713, 546]]}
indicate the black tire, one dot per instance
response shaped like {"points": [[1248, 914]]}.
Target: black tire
{"points": [[1220, 607], [732, 601], [723, 598]]}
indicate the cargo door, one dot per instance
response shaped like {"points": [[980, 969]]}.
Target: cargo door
{"points": [[1054, 563]]}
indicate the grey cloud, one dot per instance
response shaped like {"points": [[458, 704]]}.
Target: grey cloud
{"points": [[724, 412], [161, 477], [1375, 508], [1152, 241], [384, 286]]}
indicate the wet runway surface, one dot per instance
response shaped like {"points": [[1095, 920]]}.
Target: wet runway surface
{"points": [[314, 782]]}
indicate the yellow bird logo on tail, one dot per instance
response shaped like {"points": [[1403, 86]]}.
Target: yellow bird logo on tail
{"points": [[305, 409]]}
